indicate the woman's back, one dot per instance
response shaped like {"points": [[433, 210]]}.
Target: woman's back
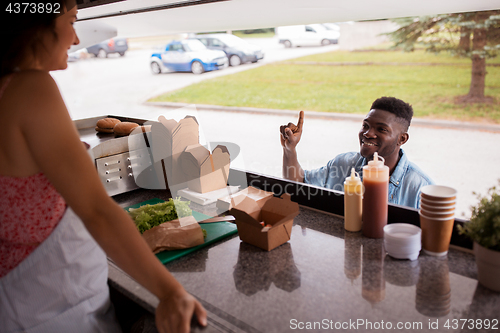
{"points": [[30, 207], [17, 103]]}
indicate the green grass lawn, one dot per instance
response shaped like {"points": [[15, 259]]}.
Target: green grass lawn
{"points": [[351, 89], [255, 35], [419, 56]]}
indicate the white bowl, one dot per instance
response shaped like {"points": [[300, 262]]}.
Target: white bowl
{"points": [[402, 253], [407, 248], [402, 240], [412, 256], [402, 232]]}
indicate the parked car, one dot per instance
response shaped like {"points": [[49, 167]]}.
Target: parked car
{"points": [[189, 55], [238, 50], [77, 55], [113, 45], [331, 26], [306, 35]]}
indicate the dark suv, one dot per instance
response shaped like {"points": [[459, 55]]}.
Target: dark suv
{"points": [[237, 50], [113, 45]]}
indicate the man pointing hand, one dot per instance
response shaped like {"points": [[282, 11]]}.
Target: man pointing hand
{"points": [[384, 130]]}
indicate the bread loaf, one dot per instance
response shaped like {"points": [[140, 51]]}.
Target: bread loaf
{"points": [[124, 128], [103, 130], [106, 125]]}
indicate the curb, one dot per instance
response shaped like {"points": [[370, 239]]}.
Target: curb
{"points": [[457, 125]]}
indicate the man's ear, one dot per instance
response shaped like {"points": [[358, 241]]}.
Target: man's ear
{"points": [[403, 137]]}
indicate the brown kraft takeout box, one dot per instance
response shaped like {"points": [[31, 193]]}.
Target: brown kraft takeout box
{"points": [[205, 171], [279, 213], [169, 140], [228, 202]]}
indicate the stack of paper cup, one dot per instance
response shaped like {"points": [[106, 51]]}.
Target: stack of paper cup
{"points": [[437, 215]]}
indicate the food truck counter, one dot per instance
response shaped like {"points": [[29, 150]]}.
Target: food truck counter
{"points": [[324, 278]]}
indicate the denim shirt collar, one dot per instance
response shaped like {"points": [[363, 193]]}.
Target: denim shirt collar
{"points": [[400, 169], [398, 173]]}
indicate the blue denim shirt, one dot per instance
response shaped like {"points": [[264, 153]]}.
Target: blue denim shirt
{"points": [[404, 183]]}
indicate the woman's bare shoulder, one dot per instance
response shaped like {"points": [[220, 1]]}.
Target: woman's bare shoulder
{"points": [[31, 78], [32, 97], [32, 87]]}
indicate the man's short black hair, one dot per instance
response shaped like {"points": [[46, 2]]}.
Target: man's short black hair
{"points": [[402, 110]]}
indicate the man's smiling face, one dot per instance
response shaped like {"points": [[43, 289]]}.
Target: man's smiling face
{"points": [[381, 132]]}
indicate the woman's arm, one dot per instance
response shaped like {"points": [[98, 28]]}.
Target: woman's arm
{"points": [[55, 145]]}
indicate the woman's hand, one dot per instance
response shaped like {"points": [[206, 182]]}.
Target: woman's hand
{"points": [[174, 313]]}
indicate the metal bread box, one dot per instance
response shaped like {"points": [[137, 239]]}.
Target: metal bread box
{"points": [[114, 162]]}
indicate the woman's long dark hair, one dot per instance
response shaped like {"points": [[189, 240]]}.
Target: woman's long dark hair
{"points": [[20, 34]]}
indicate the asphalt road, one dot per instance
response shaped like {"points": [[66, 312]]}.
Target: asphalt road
{"points": [[465, 159], [93, 86]]}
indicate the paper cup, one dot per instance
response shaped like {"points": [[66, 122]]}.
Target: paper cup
{"points": [[436, 234], [437, 209], [439, 204], [438, 193], [437, 214]]}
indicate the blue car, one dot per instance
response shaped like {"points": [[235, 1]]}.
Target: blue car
{"points": [[189, 55]]}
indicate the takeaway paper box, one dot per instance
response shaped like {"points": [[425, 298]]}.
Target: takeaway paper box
{"points": [[170, 138], [279, 213], [205, 171], [230, 201]]}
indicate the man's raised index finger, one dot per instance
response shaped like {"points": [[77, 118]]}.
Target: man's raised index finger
{"points": [[301, 120]]}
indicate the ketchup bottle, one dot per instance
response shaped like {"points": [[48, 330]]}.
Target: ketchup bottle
{"points": [[375, 199], [353, 194]]}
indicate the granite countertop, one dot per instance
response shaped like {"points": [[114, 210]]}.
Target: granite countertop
{"points": [[323, 278]]}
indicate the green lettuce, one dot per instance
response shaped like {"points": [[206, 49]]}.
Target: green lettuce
{"points": [[149, 216]]}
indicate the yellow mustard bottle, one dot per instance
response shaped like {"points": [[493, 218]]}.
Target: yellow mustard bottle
{"points": [[353, 202]]}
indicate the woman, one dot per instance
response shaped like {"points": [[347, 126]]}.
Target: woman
{"points": [[53, 207]]}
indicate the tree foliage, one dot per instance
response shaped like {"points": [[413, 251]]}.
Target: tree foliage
{"points": [[475, 35], [449, 32]]}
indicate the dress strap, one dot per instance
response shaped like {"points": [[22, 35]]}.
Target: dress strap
{"points": [[2, 89]]}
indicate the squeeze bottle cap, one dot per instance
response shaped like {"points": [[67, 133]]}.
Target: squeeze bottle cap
{"points": [[353, 179], [376, 163]]}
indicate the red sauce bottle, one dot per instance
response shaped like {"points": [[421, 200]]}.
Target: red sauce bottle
{"points": [[375, 198]]}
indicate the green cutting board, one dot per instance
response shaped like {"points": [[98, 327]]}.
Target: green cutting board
{"points": [[215, 232]]}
